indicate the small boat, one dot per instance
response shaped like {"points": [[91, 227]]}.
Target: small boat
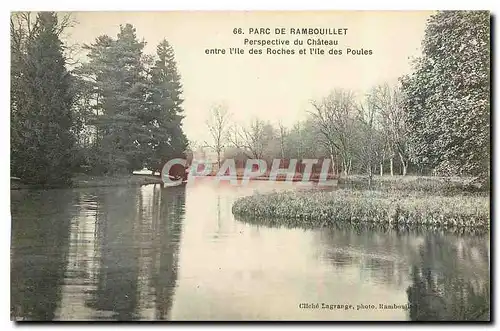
{"points": [[143, 171]]}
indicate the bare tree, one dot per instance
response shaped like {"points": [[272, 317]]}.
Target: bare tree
{"points": [[254, 139], [218, 124], [334, 117], [367, 117], [296, 138], [388, 100], [24, 26], [385, 149], [282, 138]]}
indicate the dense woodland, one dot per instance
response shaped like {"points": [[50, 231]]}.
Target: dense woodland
{"points": [[121, 109], [118, 111]]}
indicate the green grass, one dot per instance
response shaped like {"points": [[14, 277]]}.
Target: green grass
{"points": [[317, 209]]}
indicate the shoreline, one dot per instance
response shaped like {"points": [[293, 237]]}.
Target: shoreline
{"points": [[297, 177], [85, 181]]}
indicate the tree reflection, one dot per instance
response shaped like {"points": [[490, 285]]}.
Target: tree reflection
{"points": [[140, 234], [444, 290], [117, 278], [39, 240], [449, 272], [168, 239]]}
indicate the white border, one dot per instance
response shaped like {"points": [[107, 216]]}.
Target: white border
{"points": [[129, 5]]}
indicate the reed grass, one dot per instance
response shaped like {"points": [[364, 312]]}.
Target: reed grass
{"points": [[317, 209]]}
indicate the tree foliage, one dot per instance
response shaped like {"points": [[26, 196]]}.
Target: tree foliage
{"points": [[42, 138], [122, 109], [137, 104], [447, 97], [119, 111], [164, 117]]}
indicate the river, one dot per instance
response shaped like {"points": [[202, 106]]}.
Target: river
{"points": [[177, 253]]}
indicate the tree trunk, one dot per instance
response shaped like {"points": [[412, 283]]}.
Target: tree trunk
{"points": [[370, 175], [332, 159], [347, 167], [344, 167], [392, 166], [97, 126], [404, 164]]}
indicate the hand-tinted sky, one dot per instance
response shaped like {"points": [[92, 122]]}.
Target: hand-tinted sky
{"points": [[271, 87]]}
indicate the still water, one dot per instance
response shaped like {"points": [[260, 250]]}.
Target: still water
{"points": [[177, 253]]}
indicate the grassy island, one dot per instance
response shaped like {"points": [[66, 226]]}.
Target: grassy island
{"points": [[390, 204]]}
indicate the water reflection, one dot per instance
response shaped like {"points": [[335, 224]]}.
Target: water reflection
{"points": [[39, 244], [450, 280], [117, 254], [444, 276], [154, 253]]}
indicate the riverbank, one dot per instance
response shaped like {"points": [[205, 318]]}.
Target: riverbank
{"points": [[296, 177], [82, 180], [320, 209]]}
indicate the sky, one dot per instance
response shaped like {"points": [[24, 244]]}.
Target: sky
{"points": [[270, 87]]}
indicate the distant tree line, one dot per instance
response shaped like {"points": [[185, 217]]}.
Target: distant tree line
{"points": [[436, 120], [119, 111]]}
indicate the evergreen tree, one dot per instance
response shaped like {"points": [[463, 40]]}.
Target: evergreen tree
{"points": [[137, 109], [127, 130], [96, 78], [164, 118], [21, 35], [116, 68], [42, 135], [447, 98]]}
